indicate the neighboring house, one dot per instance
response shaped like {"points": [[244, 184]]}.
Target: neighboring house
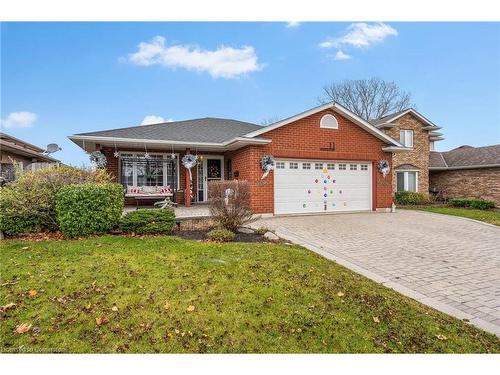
{"points": [[23, 154], [414, 131], [326, 160], [466, 172]]}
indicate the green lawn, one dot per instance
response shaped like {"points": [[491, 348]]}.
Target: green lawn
{"points": [[164, 294], [492, 217]]}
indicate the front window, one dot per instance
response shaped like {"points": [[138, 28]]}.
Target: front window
{"points": [[406, 138], [157, 170], [406, 181]]}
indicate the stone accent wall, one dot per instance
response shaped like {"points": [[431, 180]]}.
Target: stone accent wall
{"points": [[419, 156], [476, 183]]}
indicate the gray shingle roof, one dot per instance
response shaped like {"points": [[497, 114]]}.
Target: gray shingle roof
{"points": [[207, 130], [466, 156], [387, 118]]}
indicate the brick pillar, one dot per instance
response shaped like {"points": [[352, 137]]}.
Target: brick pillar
{"points": [[187, 190]]}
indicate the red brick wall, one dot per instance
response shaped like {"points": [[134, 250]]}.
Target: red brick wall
{"points": [[303, 140]]}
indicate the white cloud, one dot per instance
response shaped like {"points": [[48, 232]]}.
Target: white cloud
{"points": [[361, 35], [153, 119], [292, 24], [342, 56], [223, 62], [19, 120]]}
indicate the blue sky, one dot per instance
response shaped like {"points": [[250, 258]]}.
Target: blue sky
{"points": [[63, 78]]}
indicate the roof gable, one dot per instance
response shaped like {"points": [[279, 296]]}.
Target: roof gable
{"points": [[394, 116], [337, 108]]}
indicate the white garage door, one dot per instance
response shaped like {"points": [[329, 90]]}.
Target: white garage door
{"points": [[302, 186]]}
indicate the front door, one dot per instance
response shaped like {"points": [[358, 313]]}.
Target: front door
{"points": [[211, 170]]}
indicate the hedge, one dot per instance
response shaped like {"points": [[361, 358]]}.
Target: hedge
{"points": [[410, 198], [148, 221], [86, 209], [479, 204]]}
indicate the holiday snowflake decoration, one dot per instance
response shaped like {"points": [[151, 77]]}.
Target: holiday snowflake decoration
{"points": [[267, 164], [97, 159], [383, 167], [189, 161]]}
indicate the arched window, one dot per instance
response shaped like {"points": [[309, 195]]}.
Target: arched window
{"points": [[329, 121]]}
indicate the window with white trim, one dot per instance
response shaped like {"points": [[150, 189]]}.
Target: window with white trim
{"points": [[280, 165], [342, 167], [407, 181], [353, 167], [306, 165], [329, 121], [136, 170], [406, 138], [294, 165], [318, 165], [364, 167], [330, 166]]}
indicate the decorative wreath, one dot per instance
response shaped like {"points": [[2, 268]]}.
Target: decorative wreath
{"points": [[383, 167], [267, 164], [189, 161], [98, 159]]}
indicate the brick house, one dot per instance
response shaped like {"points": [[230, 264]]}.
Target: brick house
{"points": [[466, 172], [414, 131], [326, 160], [25, 155]]}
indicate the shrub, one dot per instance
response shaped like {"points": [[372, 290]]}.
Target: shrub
{"points": [[410, 198], [89, 208], [148, 221], [221, 235], [479, 204], [229, 203], [28, 203]]}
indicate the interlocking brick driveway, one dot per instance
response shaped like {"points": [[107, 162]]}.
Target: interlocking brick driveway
{"points": [[447, 262]]}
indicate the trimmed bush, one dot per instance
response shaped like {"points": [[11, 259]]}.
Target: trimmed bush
{"points": [[410, 198], [88, 209], [221, 235], [148, 221], [28, 204], [476, 203], [229, 203]]}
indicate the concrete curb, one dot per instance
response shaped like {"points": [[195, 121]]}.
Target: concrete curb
{"points": [[431, 302]]}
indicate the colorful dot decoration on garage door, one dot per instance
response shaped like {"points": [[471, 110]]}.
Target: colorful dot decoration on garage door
{"points": [[326, 192]]}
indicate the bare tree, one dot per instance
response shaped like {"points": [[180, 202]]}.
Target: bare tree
{"points": [[368, 98]]}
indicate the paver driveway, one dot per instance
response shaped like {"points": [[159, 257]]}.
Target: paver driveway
{"points": [[447, 262]]}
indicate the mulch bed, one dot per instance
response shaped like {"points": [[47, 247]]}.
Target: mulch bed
{"points": [[194, 235]]}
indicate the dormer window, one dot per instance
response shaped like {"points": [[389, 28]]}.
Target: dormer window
{"points": [[329, 122], [406, 138]]}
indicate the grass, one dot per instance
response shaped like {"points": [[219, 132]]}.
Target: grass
{"points": [[491, 217], [164, 294]]}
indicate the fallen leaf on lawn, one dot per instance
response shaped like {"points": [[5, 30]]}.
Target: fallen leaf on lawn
{"points": [[442, 337], [22, 328], [340, 294], [24, 248], [88, 306], [101, 320], [33, 292], [8, 306], [376, 319], [114, 308], [190, 308], [166, 306]]}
